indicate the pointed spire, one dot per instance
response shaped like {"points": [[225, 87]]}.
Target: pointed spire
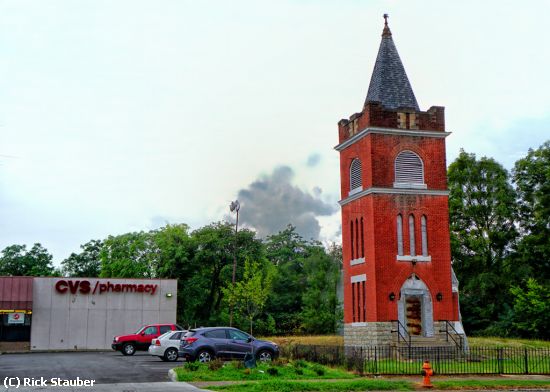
{"points": [[389, 83]]}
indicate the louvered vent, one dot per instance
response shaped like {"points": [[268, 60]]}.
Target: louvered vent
{"points": [[409, 170], [355, 175]]}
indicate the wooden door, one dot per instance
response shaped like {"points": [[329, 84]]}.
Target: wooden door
{"points": [[413, 314]]}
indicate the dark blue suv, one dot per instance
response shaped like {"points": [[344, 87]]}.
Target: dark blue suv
{"points": [[206, 344]]}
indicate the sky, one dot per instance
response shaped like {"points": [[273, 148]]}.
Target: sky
{"points": [[126, 115]]}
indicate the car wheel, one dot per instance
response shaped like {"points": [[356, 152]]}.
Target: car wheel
{"points": [[171, 355], [265, 355], [128, 349], [204, 356]]}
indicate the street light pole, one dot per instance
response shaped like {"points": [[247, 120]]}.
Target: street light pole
{"points": [[234, 207]]}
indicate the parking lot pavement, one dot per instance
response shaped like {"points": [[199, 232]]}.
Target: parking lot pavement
{"points": [[103, 367]]}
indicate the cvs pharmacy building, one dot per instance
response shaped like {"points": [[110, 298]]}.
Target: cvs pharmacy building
{"points": [[81, 313]]}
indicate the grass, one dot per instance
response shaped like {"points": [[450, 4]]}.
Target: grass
{"points": [[336, 340], [388, 366], [289, 386], [234, 371], [507, 342], [312, 340], [490, 384]]}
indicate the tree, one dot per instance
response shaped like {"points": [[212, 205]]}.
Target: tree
{"points": [[130, 255], [531, 176], [287, 250], [249, 295], [86, 263], [320, 313], [532, 310], [17, 261], [483, 212], [214, 247]]}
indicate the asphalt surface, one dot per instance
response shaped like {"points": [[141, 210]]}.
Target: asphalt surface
{"points": [[103, 367]]}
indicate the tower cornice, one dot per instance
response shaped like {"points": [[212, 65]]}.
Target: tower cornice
{"points": [[390, 131]]}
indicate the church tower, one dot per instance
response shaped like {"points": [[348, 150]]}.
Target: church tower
{"points": [[398, 279]]}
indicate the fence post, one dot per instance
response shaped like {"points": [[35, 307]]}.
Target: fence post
{"points": [[501, 361], [526, 361]]}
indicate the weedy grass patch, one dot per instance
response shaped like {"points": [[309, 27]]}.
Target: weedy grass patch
{"points": [[490, 384], [291, 386], [233, 371]]}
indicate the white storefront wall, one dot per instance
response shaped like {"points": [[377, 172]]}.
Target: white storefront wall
{"points": [[78, 319]]}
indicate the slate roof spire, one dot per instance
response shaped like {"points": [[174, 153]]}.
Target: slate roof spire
{"points": [[389, 83]]}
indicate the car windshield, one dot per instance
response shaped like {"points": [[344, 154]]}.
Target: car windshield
{"points": [[140, 329]]}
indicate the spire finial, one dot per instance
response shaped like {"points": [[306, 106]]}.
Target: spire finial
{"points": [[386, 32]]}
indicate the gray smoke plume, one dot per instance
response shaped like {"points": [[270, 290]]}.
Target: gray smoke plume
{"points": [[271, 202]]}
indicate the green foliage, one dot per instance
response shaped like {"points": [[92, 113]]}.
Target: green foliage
{"points": [[272, 371], [249, 295], [532, 178], [129, 255], [216, 364], [290, 386], [321, 312], [532, 310], [15, 260], [482, 215], [86, 263], [304, 296], [318, 369], [234, 372], [192, 366]]}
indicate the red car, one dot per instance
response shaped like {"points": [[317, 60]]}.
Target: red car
{"points": [[128, 344]]}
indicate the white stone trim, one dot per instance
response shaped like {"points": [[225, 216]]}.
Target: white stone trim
{"points": [[411, 185], [358, 278], [355, 190], [414, 258], [398, 191], [390, 131], [360, 260], [361, 324]]}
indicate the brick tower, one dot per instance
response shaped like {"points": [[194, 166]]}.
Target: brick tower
{"points": [[398, 279]]}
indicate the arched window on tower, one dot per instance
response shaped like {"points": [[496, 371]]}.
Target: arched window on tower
{"points": [[355, 181], [399, 235], [409, 171], [411, 236], [423, 224]]}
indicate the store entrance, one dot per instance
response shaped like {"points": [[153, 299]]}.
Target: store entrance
{"points": [[15, 327]]}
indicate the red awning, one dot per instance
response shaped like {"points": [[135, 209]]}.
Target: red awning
{"points": [[16, 292]]}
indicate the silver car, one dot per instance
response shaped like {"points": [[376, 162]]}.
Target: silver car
{"points": [[166, 345]]}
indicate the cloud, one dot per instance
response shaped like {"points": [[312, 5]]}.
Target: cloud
{"points": [[313, 160], [271, 202]]}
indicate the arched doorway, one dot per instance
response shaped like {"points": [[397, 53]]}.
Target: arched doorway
{"points": [[414, 308]]}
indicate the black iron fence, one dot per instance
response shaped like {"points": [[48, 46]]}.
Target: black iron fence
{"points": [[444, 360]]}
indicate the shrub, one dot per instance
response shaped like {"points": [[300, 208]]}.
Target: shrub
{"points": [[216, 364], [192, 366], [280, 362], [299, 371], [246, 371], [237, 364], [272, 371], [299, 363], [320, 370]]}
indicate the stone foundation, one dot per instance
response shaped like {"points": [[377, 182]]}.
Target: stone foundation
{"points": [[368, 334]]}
